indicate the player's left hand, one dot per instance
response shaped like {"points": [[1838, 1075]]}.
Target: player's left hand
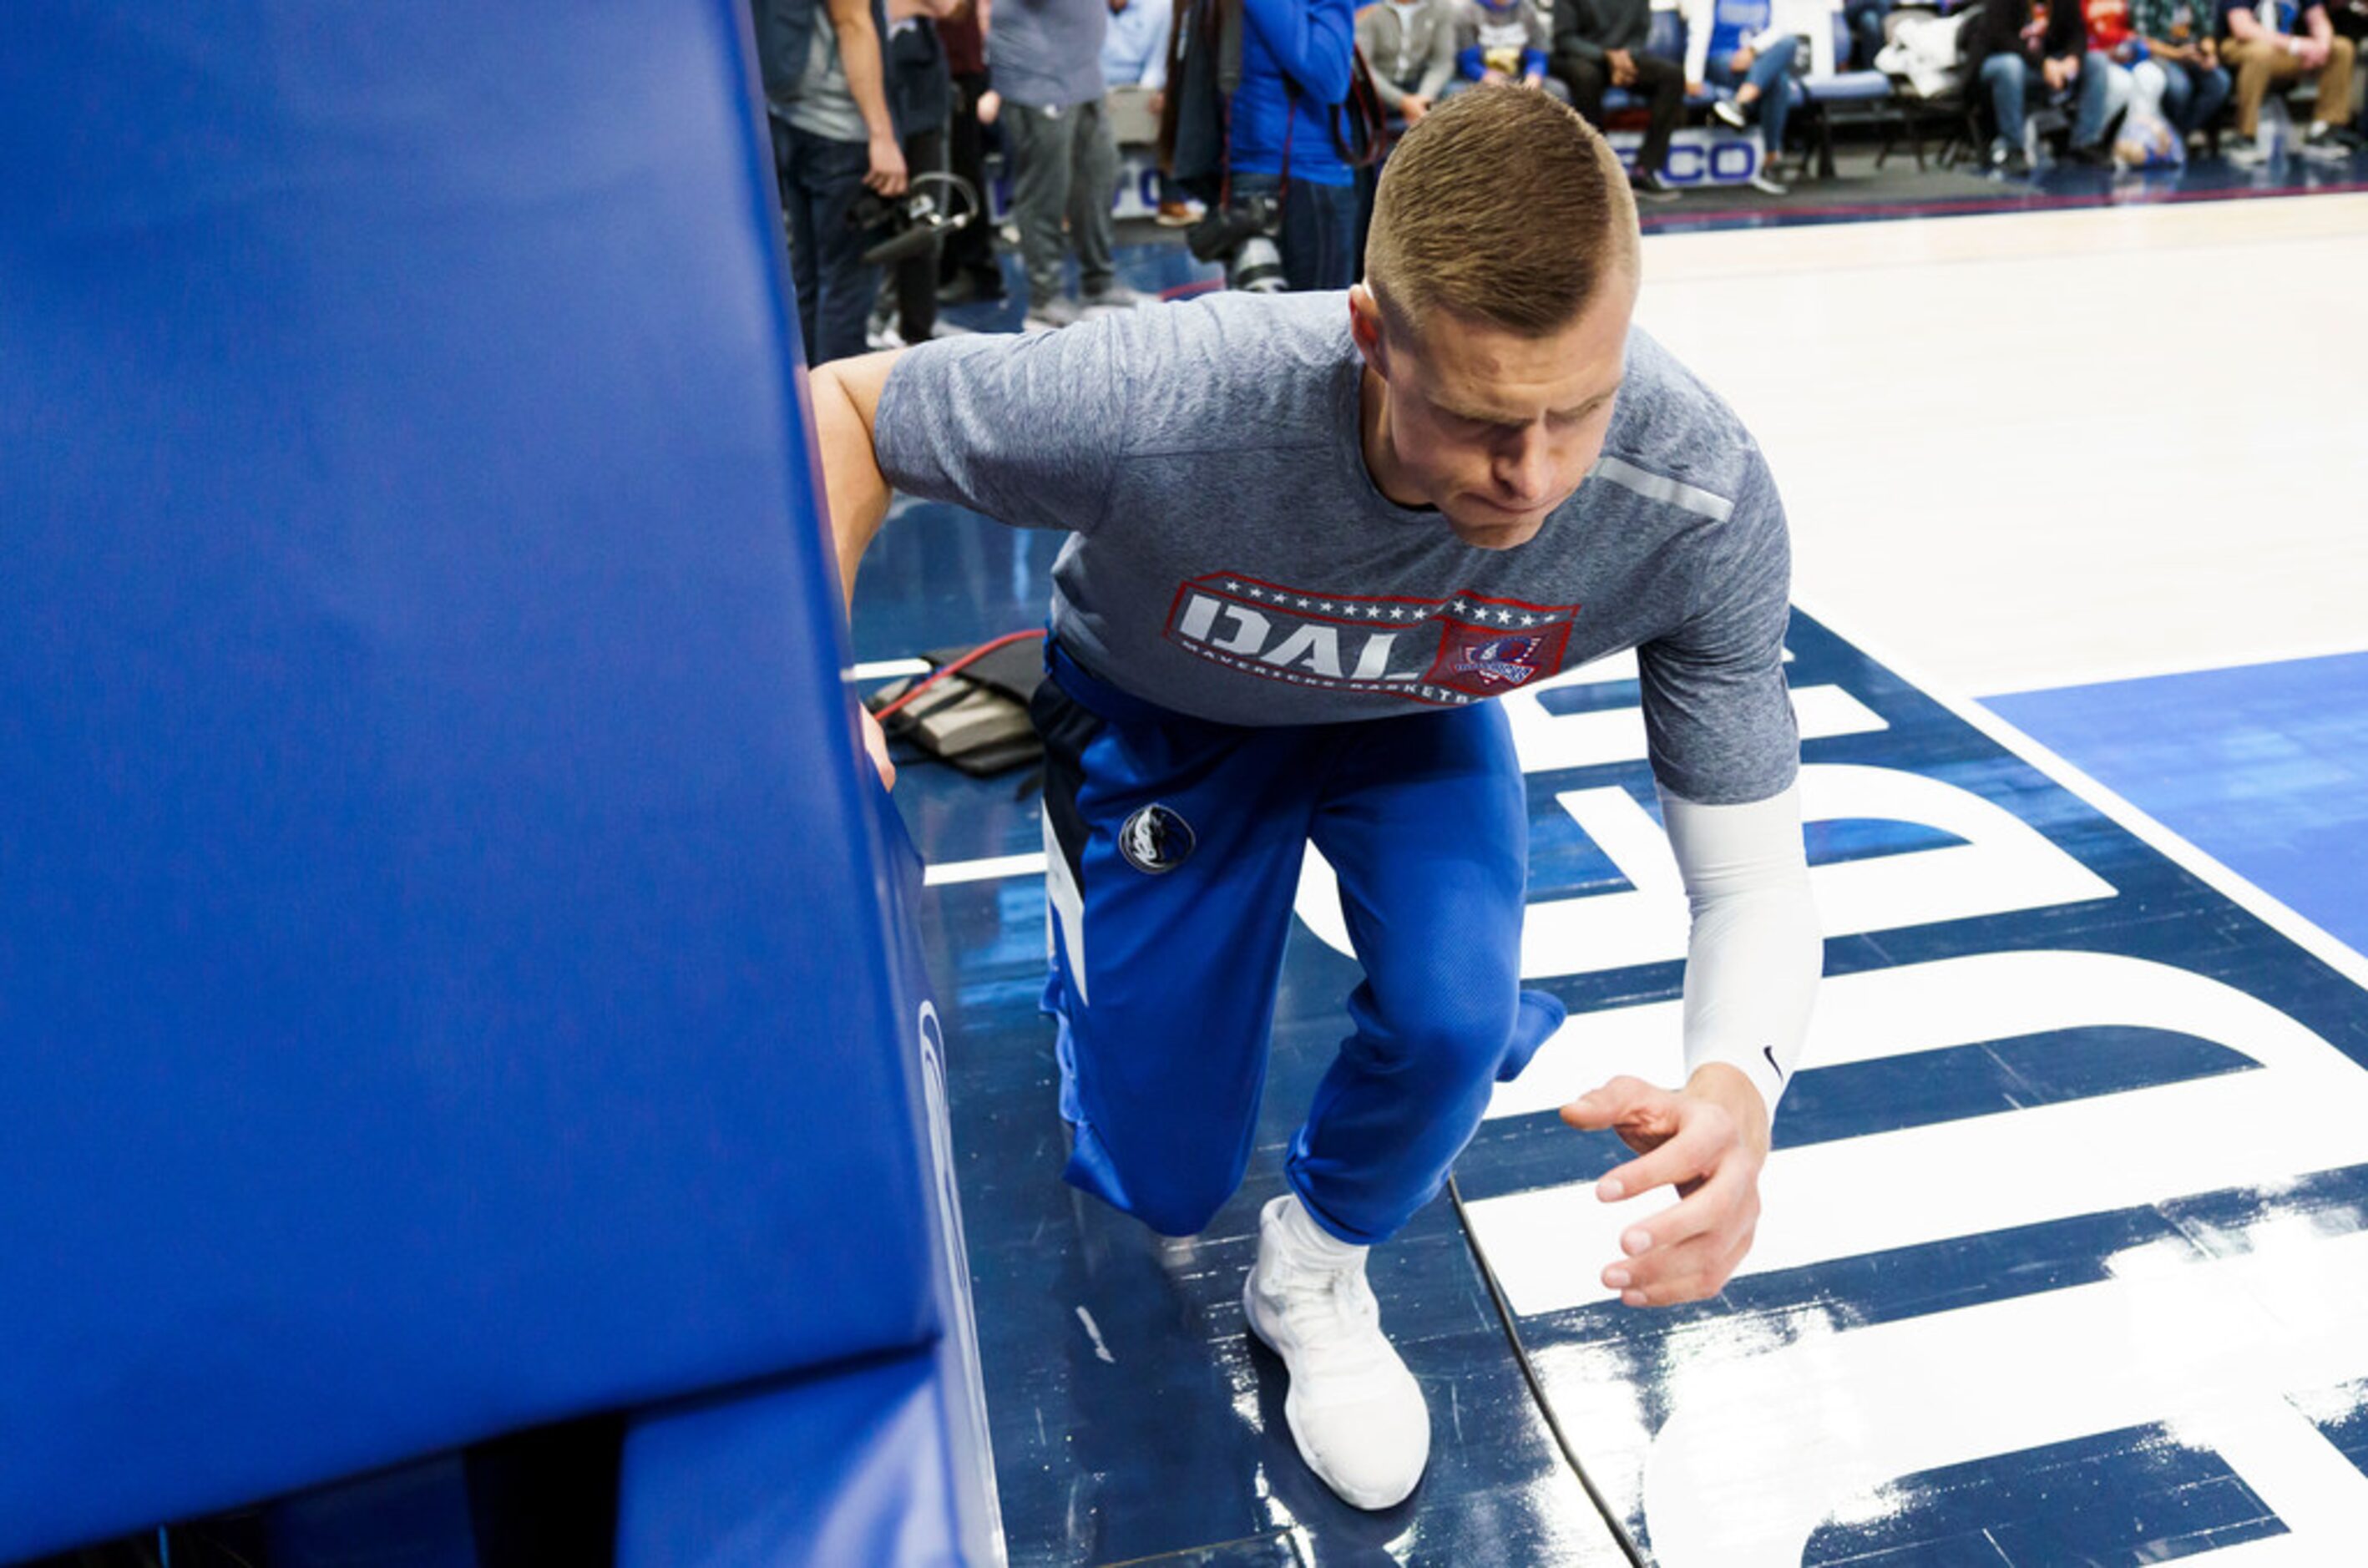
{"points": [[875, 746], [1708, 1141]]}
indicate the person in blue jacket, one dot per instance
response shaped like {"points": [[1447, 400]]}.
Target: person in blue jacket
{"points": [[1289, 133]]}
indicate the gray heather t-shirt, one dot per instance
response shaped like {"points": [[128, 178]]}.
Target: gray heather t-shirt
{"points": [[1230, 559]]}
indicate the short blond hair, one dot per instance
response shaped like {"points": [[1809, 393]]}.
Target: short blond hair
{"points": [[1501, 207]]}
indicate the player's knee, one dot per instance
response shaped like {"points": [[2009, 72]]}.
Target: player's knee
{"points": [[1457, 1037]]}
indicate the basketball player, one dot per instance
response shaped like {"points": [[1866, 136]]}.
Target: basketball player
{"points": [[1310, 536]]}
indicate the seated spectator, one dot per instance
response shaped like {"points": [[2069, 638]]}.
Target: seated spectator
{"points": [[1733, 43], [1600, 44], [2014, 41], [1410, 45], [1865, 18], [1501, 42], [1135, 61], [2177, 36], [2262, 47], [2114, 48]]}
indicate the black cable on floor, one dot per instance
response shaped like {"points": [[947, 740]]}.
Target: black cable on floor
{"points": [[1530, 1375]]}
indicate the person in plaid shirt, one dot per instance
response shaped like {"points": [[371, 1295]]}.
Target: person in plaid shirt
{"points": [[2178, 38]]}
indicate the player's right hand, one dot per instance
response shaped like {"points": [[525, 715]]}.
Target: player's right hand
{"points": [[875, 743]]}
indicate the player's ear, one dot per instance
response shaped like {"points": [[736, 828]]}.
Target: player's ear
{"points": [[1365, 326]]}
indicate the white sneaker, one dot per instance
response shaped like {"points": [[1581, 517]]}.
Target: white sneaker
{"points": [[2246, 152], [1115, 297], [1353, 1408], [1050, 315], [1729, 113]]}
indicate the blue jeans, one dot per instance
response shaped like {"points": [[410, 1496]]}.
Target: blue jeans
{"points": [[1772, 74], [820, 181], [2191, 95], [1319, 230], [1865, 18], [2008, 78], [2096, 81]]}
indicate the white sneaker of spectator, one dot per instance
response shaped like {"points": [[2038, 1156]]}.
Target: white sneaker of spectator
{"points": [[1354, 1410], [1052, 314], [2323, 145], [1113, 297]]}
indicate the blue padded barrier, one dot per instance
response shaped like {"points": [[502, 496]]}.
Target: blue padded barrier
{"points": [[844, 1466], [441, 985], [885, 1463]]}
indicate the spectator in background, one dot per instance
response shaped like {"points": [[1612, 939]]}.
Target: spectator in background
{"points": [[1600, 44], [968, 269], [828, 100], [2104, 78], [2177, 35], [1287, 140], [1047, 74], [1410, 45], [1865, 18], [2015, 42], [1735, 44], [1134, 55], [2262, 47], [1504, 41], [920, 87]]}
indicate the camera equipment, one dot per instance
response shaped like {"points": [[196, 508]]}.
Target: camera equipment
{"points": [[906, 226], [1242, 235]]}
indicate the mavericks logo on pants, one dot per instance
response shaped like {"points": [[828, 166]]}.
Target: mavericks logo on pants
{"points": [[1156, 839]]}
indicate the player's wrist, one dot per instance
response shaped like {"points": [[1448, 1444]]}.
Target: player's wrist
{"points": [[1730, 1087]]}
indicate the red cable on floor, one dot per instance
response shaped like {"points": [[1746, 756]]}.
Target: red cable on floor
{"points": [[943, 671]]}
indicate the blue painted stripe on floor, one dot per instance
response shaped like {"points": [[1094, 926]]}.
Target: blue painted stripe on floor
{"points": [[2135, 1496]]}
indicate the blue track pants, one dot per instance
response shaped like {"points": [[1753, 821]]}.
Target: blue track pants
{"points": [[1179, 844]]}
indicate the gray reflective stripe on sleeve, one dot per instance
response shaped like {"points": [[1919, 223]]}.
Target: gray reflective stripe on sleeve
{"points": [[1660, 487]]}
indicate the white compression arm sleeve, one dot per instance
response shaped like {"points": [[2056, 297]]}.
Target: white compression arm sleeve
{"points": [[1753, 962]]}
